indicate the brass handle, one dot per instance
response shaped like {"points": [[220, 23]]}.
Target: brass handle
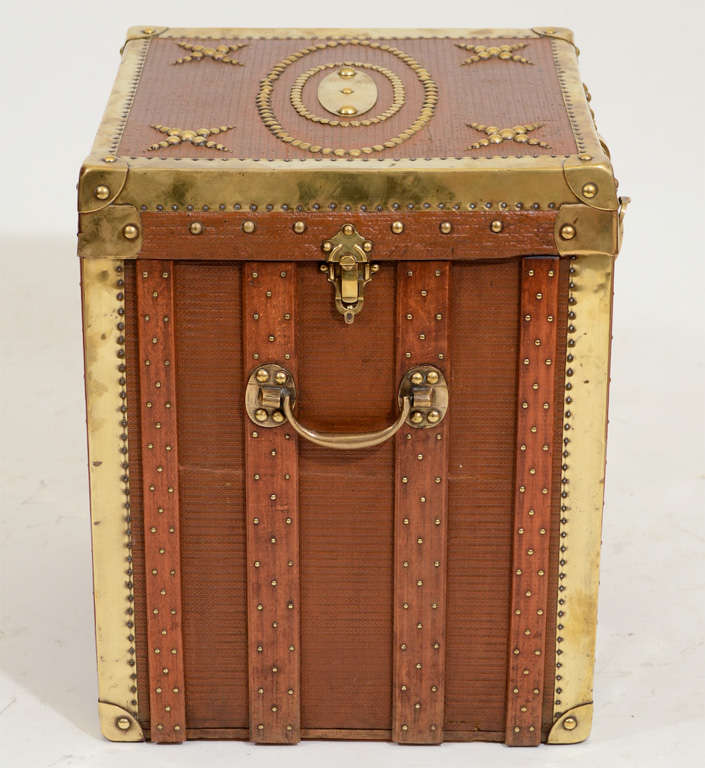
{"points": [[271, 393], [347, 442]]}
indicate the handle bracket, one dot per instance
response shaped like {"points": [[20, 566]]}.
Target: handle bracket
{"points": [[270, 397]]}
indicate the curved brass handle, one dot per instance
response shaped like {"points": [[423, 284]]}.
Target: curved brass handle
{"points": [[347, 442], [271, 393]]}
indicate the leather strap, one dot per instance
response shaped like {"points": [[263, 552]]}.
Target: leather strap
{"points": [[532, 505], [421, 505], [160, 468], [272, 516]]}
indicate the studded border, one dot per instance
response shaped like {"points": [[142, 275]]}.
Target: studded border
{"points": [[130, 98], [567, 98]]}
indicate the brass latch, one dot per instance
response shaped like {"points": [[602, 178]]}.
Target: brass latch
{"points": [[348, 269]]}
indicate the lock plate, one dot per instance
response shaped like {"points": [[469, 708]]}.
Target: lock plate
{"points": [[348, 269]]}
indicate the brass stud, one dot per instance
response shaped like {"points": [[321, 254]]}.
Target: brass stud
{"points": [[248, 226], [589, 190], [496, 226], [262, 375], [195, 228], [584, 156], [433, 416], [445, 227], [278, 417], [416, 377], [123, 723], [280, 377], [326, 247], [397, 227], [102, 192], [130, 232], [432, 377], [261, 414], [299, 227], [367, 246], [567, 232], [416, 417], [570, 723]]}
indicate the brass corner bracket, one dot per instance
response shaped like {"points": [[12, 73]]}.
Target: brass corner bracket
{"points": [[572, 726], [117, 724], [348, 269]]}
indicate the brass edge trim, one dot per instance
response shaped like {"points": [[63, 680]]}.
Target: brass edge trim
{"points": [[103, 234], [579, 230], [583, 476], [322, 33], [106, 406], [142, 33], [117, 724], [557, 33], [119, 104], [573, 727]]}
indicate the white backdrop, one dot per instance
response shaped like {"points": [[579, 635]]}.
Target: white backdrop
{"points": [[644, 67]]}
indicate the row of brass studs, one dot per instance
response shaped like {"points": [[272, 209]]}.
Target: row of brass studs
{"points": [[397, 227], [129, 101], [531, 512], [266, 112], [124, 723], [570, 107], [296, 95], [570, 723], [153, 530]]}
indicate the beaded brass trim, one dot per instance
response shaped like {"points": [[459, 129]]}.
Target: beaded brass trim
{"points": [[517, 133], [499, 52], [266, 111], [201, 52], [296, 95]]}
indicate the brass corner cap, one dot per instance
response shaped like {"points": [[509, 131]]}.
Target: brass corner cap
{"points": [[117, 724], [580, 230], [100, 183], [572, 726], [114, 232]]}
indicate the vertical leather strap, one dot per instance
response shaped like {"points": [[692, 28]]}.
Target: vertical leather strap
{"points": [[532, 500], [421, 505], [269, 291], [160, 469]]}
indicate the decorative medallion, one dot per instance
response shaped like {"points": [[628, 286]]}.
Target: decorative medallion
{"points": [[201, 52], [347, 92], [516, 133], [266, 109], [501, 52], [296, 94], [199, 138]]}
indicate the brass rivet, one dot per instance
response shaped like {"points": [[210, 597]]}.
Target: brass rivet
{"points": [[445, 227], [567, 232], [416, 377], [496, 226], [570, 723], [278, 417], [432, 377], [327, 246], [346, 72], [299, 227], [102, 192], [367, 246], [109, 159], [280, 377], [433, 416], [248, 226], [261, 414], [397, 227], [584, 156], [196, 228], [123, 723], [416, 417], [262, 375], [589, 190], [348, 229], [130, 232]]}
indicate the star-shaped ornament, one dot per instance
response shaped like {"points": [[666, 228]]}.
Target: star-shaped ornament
{"points": [[487, 52], [220, 53], [198, 138], [518, 133]]}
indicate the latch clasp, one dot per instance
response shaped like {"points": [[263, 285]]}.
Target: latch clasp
{"points": [[348, 269]]}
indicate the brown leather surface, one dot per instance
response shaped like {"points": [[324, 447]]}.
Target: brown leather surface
{"points": [[271, 468], [532, 500], [347, 562], [160, 476], [421, 515], [167, 234], [208, 94]]}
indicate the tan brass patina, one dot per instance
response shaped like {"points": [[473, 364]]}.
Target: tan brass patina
{"points": [[349, 269], [270, 396], [348, 91]]}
